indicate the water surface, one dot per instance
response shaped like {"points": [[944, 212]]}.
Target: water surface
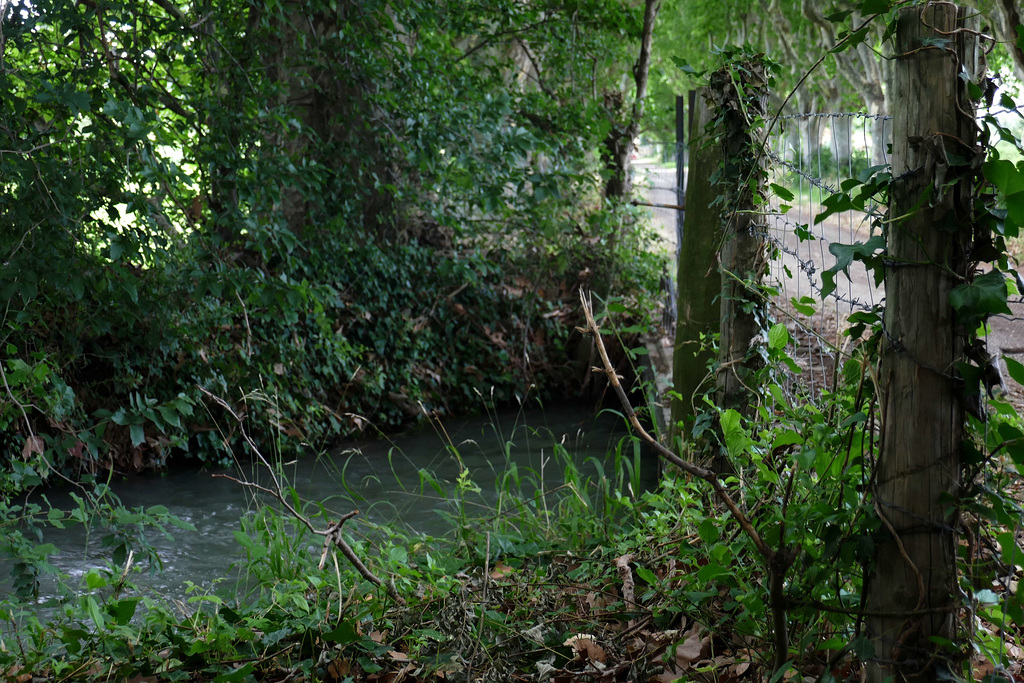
{"points": [[382, 478]]}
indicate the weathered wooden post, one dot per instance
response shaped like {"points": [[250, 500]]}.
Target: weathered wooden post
{"points": [[911, 592], [721, 252], [699, 283], [681, 140], [743, 258]]}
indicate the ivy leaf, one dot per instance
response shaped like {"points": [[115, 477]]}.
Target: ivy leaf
{"points": [[686, 68], [1011, 554], [138, 434], [787, 438], [647, 575], [805, 458], [239, 674], [835, 203], [736, 439], [1008, 178], [804, 305], [852, 39], [92, 608], [875, 6], [975, 301], [782, 193], [1015, 368], [343, 634], [709, 531], [170, 416], [1005, 175], [856, 418], [868, 252], [78, 101], [124, 610]]}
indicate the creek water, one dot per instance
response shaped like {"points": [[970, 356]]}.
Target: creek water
{"points": [[382, 478]]}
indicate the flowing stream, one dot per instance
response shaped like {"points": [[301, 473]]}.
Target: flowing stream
{"points": [[384, 479]]}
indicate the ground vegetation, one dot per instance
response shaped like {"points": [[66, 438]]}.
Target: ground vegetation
{"points": [[289, 234]]}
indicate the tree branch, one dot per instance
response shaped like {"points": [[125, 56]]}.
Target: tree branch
{"points": [[700, 472], [332, 534]]}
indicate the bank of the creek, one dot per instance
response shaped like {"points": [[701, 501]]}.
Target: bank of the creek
{"points": [[382, 478]]}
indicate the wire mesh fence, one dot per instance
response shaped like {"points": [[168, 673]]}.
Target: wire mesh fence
{"points": [[809, 158]]}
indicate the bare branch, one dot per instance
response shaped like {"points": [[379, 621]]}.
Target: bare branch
{"points": [[332, 534], [701, 473]]}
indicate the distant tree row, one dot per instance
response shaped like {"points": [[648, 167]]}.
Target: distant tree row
{"points": [[795, 33]]}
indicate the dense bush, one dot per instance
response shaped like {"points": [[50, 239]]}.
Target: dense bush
{"points": [[326, 215]]}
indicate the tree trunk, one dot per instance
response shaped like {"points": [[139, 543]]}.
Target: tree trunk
{"points": [[914, 576], [699, 282], [619, 144], [1010, 19], [808, 133], [842, 147]]}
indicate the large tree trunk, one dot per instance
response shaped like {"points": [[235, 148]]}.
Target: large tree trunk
{"points": [[808, 134], [910, 596], [338, 123], [1009, 19]]}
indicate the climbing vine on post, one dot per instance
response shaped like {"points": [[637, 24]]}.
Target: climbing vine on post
{"points": [[740, 91]]}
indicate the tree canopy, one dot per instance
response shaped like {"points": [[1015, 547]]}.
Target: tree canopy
{"points": [[359, 210]]}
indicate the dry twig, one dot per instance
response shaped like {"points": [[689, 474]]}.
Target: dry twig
{"points": [[332, 534]]}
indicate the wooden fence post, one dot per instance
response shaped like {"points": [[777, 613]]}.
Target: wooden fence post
{"points": [[681, 144], [698, 280], [721, 253], [911, 593], [743, 257]]}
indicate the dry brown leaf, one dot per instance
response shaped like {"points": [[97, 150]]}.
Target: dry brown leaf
{"points": [[587, 648], [339, 668], [501, 569], [982, 667], [398, 656], [693, 647], [33, 445], [670, 675], [739, 669]]}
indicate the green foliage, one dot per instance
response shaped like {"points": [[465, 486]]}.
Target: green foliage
{"points": [[356, 212], [293, 613], [801, 465]]}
